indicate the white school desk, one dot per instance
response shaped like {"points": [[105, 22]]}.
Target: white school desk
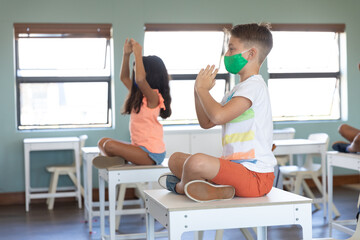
{"points": [[124, 175], [88, 154], [343, 160], [49, 144], [304, 146], [179, 214], [91, 208]]}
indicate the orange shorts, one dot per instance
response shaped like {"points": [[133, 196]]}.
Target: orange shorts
{"points": [[246, 183]]}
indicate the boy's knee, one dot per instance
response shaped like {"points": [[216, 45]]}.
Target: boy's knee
{"points": [[174, 156], [195, 163]]}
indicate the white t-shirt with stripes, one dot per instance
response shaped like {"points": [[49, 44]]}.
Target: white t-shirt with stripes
{"points": [[249, 137]]}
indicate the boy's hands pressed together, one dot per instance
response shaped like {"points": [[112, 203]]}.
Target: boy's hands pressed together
{"points": [[206, 78], [128, 47]]}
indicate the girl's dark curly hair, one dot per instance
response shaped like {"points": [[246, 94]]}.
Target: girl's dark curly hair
{"points": [[158, 78]]}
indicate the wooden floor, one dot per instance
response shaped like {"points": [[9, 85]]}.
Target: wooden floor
{"points": [[66, 221]]}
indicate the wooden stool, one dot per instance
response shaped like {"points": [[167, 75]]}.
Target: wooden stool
{"points": [[125, 174], [180, 214]]}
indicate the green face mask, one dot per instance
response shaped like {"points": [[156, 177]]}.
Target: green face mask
{"points": [[235, 63]]}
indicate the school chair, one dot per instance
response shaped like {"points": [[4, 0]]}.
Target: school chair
{"points": [[355, 236], [69, 170], [285, 133], [139, 188], [309, 170]]}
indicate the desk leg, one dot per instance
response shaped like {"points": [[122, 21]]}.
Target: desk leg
{"points": [[303, 217], [86, 213], [330, 195], [78, 175], [27, 176], [261, 233], [150, 225], [112, 203], [89, 197], [102, 205], [323, 178]]}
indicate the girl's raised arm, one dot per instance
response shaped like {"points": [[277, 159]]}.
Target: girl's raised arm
{"points": [[140, 77], [125, 69]]}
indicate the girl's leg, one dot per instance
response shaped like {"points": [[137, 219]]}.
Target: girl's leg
{"points": [[101, 146], [111, 147], [348, 132], [198, 167]]}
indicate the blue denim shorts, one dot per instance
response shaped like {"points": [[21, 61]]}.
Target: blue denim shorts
{"points": [[158, 158]]}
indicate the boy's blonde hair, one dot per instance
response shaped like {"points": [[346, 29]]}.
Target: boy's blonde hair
{"points": [[255, 33]]}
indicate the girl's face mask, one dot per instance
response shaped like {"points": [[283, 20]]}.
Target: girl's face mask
{"points": [[235, 63]]}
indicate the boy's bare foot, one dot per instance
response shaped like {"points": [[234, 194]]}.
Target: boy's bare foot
{"points": [[355, 145], [203, 191]]}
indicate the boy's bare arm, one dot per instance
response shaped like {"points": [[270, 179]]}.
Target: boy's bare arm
{"points": [[216, 113], [222, 114], [204, 121]]}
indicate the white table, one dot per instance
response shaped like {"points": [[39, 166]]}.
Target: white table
{"points": [[179, 214], [124, 175], [88, 154], [343, 160], [304, 146], [91, 208], [49, 144]]}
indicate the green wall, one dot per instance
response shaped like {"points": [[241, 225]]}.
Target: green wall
{"points": [[128, 18]]}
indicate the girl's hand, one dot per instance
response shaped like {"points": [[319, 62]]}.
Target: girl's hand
{"points": [[127, 47], [136, 47], [206, 78]]}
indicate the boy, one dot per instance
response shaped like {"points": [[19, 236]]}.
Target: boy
{"points": [[246, 166]]}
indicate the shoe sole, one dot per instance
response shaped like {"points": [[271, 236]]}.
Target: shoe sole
{"points": [[160, 181], [202, 191], [102, 162]]}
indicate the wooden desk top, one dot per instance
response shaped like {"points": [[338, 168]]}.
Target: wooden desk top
{"points": [[344, 155], [133, 166], [175, 202]]}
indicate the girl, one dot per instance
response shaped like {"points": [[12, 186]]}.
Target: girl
{"points": [[149, 97]]}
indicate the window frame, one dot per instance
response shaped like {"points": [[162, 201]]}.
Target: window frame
{"points": [[336, 28], [60, 30], [198, 27]]}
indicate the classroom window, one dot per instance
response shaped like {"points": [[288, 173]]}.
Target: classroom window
{"points": [[305, 71], [185, 49], [63, 75]]}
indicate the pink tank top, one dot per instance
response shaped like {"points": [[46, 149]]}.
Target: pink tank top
{"points": [[145, 129]]}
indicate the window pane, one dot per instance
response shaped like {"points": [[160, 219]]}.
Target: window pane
{"points": [[182, 100], [63, 57], [304, 52], [304, 99], [186, 52], [63, 103]]}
